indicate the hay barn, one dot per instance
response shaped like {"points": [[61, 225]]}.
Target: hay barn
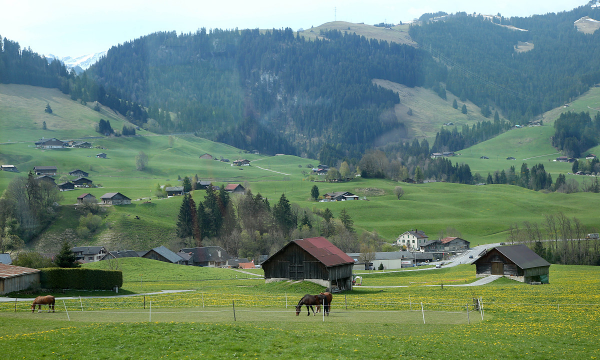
{"points": [[517, 262], [313, 259], [17, 278]]}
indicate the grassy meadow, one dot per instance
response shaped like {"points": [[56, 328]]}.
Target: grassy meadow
{"points": [[397, 34], [552, 321]]}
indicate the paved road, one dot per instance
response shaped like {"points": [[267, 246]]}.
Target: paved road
{"points": [[5, 299]]}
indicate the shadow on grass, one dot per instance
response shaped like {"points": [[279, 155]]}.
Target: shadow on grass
{"points": [[67, 293]]}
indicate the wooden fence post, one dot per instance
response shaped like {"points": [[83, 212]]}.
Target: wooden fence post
{"points": [[423, 312], [233, 302]]}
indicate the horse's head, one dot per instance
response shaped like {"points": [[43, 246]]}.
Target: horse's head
{"points": [[298, 308]]}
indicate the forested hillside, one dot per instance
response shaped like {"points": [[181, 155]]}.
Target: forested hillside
{"points": [[485, 67], [310, 92]]}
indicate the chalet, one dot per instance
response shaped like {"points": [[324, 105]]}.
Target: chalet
{"points": [[511, 158], [448, 153], [235, 188], [517, 262], [120, 254], [86, 198], [206, 156], [50, 144], [11, 168], [78, 173], [185, 258], [210, 256], [101, 156], [82, 182], [161, 253], [562, 159], [412, 239], [484, 157], [340, 196], [241, 162], [321, 171], [313, 259], [436, 155], [45, 170], [66, 186], [86, 254], [590, 157], [17, 278], [47, 178], [224, 160], [115, 199], [203, 184], [174, 190], [390, 260]]}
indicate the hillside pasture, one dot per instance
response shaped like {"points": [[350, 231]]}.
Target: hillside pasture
{"points": [[397, 34]]}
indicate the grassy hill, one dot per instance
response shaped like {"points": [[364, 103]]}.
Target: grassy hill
{"points": [[397, 34]]}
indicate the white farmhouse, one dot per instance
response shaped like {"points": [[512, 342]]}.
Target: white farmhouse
{"points": [[412, 239]]}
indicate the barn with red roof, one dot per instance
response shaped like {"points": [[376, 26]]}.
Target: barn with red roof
{"points": [[313, 259]]}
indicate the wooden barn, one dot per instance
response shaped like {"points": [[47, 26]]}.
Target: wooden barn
{"points": [[313, 259], [17, 278], [517, 262]]}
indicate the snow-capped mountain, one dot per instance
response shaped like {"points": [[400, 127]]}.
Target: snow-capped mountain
{"points": [[79, 63]]}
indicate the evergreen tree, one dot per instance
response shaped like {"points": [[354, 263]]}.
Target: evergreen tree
{"points": [[284, 217], [187, 184], [213, 213], [346, 220], [314, 192], [44, 126], [455, 104], [496, 117], [419, 176], [48, 109], [66, 258], [327, 215], [575, 167], [464, 109], [185, 219], [305, 221]]}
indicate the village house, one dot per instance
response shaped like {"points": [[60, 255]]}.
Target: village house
{"points": [[313, 259], [206, 156], [78, 173], [47, 178], [101, 156], [210, 256], [161, 253], [590, 157], [50, 144], [241, 162], [87, 254], [447, 244], [86, 198], [120, 254], [412, 239], [517, 262], [174, 190], [340, 196], [45, 170], [11, 168], [82, 145], [82, 182], [203, 184], [235, 188], [66, 186], [436, 155], [390, 260], [115, 199]]}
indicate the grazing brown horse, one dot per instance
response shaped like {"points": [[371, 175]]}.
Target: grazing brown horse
{"points": [[43, 300], [325, 300], [309, 301]]}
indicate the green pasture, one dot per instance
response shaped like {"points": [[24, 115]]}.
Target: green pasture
{"points": [[398, 34], [553, 321]]}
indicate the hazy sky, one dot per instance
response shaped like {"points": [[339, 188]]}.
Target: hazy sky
{"points": [[73, 28]]}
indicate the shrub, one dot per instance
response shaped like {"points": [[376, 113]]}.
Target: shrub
{"points": [[80, 279]]}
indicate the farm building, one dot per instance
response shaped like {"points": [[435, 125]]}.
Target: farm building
{"points": [[17, 278], [50, 144], [313, 259], [340, 196], [412, 239], [78, 173], [161, 253], [206, 156], [390, 260], [120, 254], [82, 182], [447, 244], [115, 199], [66, 186], [101, 156], [86, 198], [174, 190], [11, 168], [517, 262], [45, 170], [47, 178], [211, 256], [235, 188], [86, 254]]}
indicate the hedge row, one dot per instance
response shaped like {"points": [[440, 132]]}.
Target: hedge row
{"points": [[80, 279]]}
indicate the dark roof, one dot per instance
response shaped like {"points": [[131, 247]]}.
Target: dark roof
{"points": [[84, 195], [121, 254], [207, 253], [449, 239], [78, 171], [167, 254], [112, 195], [324, 251], [87, 250], [82, 179], [522, 256], [233, 187], [185, 256], [9, 271], [174, 188]]}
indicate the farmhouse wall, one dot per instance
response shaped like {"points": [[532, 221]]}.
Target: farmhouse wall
{"points": [[18, 283]]}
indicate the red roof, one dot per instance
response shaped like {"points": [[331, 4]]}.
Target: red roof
{"points": [[447, 239], [9, 271], [231, 186], [324, 251]]}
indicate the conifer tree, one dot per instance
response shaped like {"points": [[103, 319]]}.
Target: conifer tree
{"points": [[66, 258], [314, 192], [185, 219], [346, 220]]}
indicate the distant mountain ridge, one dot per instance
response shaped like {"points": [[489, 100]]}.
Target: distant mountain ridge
{"points": [[78, 63]]}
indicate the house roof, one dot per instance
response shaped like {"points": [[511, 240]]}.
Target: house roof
{"points": [[185, 256], [324, 251], [52, 141], [88, 250], [429, 242], [522, 256], [77, 171], [121, 254], [5, 259], [167, 254], [419, 234], [207, 253], [83, 196], [112, 195], [450, 238], [9, 271], [174, 188], [231, 187]]}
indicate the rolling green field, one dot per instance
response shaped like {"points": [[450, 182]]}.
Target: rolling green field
{"points": [[398, 34], [482, 214], [553, 321]]}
